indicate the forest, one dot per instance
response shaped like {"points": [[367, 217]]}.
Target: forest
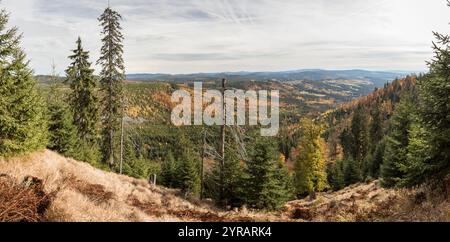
{"points": [[398, 134]]}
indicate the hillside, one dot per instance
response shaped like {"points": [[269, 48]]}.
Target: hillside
{"points": [[68, 190], [378, 78], [45, 186], [369, 202]]}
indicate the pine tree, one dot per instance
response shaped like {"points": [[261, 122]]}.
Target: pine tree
{"points": [[352, 172], [264, 190], [346, 142], [433, 130], [22, 110], [168, 171], [395, 161], [231, 185], [336, 176], [62, 132], [376, 127], [375, 159], [310, 166], [188, 174], [112, 77], [84, 103], [286, 189], [359, 135]]}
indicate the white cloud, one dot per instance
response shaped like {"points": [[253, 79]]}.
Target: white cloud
{"points": [[180, 36]]}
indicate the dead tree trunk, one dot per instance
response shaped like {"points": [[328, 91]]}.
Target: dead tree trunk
{"points": [[121, 142], [202, 166], [222, 144]]}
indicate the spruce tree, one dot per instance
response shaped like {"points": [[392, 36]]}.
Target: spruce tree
{"points": [[359, 135], [168, 171], [188, 173], [84, 103], [112, 77], [393, 169], [376, 127], [346, 142], [230, 187], [419, 157], [264, 190], [285, 181], [310, 166], [433, 131], [377, 159], [336, 176], [62, 132], [22, 110], [352, 172]]}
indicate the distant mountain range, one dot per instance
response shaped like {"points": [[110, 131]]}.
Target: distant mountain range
{"points": [[378, 78]]}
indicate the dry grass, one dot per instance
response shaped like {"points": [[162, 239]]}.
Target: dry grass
{"points": [[370, 202], [45, 186], [83, 193]]}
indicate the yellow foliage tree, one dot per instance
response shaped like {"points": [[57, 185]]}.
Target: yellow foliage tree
{"points": [[310, 165]]}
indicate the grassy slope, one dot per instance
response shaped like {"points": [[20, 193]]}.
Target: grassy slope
{"points": [[83, 193], [371, 203]]}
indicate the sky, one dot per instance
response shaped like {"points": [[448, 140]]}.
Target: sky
{"points": [[190, 36]]}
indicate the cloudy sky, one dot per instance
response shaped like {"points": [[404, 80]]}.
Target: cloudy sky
{"points": [[185, 36]]}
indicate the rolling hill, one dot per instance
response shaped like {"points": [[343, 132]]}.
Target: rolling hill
{"points": [[378, 78]]}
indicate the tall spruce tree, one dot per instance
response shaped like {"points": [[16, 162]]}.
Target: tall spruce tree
{"points": [[336, 176], [229, 190], [264, 189], [112, 77], [393, 169], [346, 142], [310, 165], [433, 131], [22, 110], [360, 135], [169, 170], [188, 175], [84, 102], [376, 127], [62, 132], [375, 159], [352, 172]]}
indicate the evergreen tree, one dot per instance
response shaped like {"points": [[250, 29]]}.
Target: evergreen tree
{"points": [[84, 103], [346, 142], [62, 132], [22, 110], [375, 160], [136, 164], [112, 77], [419, 157], [352, 172], [188, 174], [393, 169], [286, 189], [310, 166], [231, 184], [336, 176], [168, 171], [264, 190], [433, 131], [376, 127], [359, 135]]}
